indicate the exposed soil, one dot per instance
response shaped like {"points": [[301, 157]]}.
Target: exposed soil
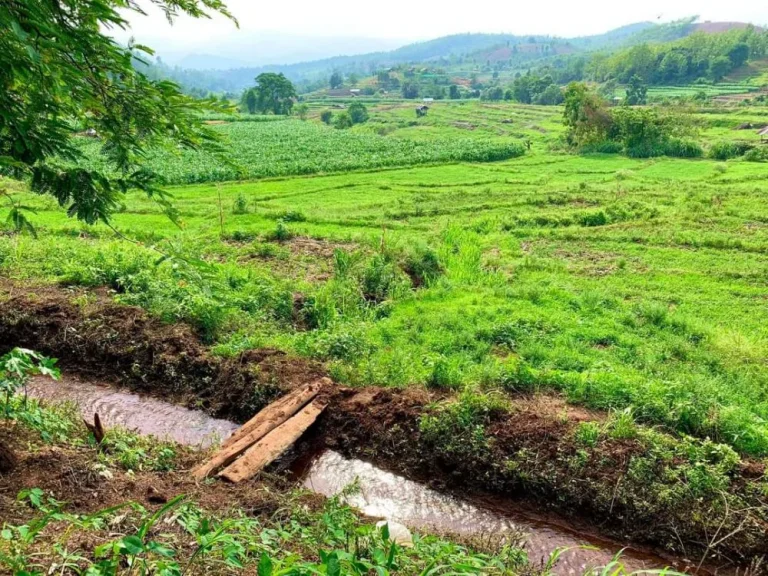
{"points": [[68, 473], [531, 454], [123, 344]]}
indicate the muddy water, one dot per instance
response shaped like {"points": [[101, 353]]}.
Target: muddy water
{"points": [[379, 494], [145, 415]]}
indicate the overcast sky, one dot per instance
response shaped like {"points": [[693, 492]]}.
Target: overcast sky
{"points": [[409, 20]]}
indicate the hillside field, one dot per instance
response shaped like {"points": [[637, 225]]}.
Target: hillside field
{"points": [[621, 283]]}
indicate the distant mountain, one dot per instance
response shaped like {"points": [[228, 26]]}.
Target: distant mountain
{"points": [[208, 73], [209, 62]]}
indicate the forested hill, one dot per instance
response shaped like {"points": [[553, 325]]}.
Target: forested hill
{"points": [[462, 55], [443, 50]]}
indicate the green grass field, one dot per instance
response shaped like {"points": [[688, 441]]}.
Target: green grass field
{"points": [[621, 283]]}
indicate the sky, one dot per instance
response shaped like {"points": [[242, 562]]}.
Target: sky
{"points": [[396, 22]]}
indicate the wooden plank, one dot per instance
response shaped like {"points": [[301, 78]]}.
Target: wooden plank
{"points": [[267, 450], [300, 396], [264, 422]]}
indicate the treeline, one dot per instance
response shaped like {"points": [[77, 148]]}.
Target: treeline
{"points": [[700, 57]]}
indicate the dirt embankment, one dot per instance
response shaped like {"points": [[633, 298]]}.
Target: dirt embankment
{"points": [[97, 338], [528, 453]]}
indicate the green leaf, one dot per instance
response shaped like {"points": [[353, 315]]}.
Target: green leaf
{"points": [[132, 545], [333, 567], [265, 565]]}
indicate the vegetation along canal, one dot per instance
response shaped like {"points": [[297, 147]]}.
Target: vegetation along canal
{"points": [[374, 492]]}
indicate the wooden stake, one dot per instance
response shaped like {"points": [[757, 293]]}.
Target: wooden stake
{"points": [[258, 427], [96, 429], [267, 450]]}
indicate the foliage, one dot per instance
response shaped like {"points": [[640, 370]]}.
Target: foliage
{"points": [[682, 61], [274, 93], [326, 116], [17, 366], [343, 121], [637, 91], [302, 110], [585, 115], [60, 71], [336, 80], [728, 150], [358, 113]]}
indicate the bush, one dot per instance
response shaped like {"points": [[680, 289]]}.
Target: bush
{"points": [[382, 279], [757, 155], [603, 147], [423, 266], [343, 121], [358, 113], [326, 116], [281, 232], [679, 148], [729, 150], [240, 206]]}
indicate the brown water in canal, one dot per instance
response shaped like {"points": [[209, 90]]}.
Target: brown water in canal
{"points": [[380, 494]]}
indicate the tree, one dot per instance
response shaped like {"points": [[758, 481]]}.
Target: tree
{"points": [[453, 92], [585, 115], [493, 94], [739, 54], [59, 69], [552, 96], [353, 79], [336, 81], [521, 89], [410, 90], [358, 113], [250, 101], [274, 93], [326, 116], [719, 67], [637, 91]]}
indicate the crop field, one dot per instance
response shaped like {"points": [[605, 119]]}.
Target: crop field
{"points": [[620, 283], [291, 147]]}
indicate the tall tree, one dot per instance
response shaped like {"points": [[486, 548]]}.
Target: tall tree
{"points": [[637, 91], [274, 93], [60, 72], [250, 101], [336, 80]]}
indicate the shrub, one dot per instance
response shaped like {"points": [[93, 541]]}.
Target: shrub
{"points": [[326, 117], [603, 147], [343, 121], [423, 266], [679, 148], [358, 113], [281, 232], [757, 155], [728, 150], [594, 219], [241, 205], [382, 279]]}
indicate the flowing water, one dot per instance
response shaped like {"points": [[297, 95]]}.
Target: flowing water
{"points": [[378, 493]]}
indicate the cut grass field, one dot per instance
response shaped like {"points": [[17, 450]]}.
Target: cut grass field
{"points": [[621, 283]]}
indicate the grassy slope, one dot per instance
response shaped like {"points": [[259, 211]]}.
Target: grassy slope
{"points": [[623, 283]]}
